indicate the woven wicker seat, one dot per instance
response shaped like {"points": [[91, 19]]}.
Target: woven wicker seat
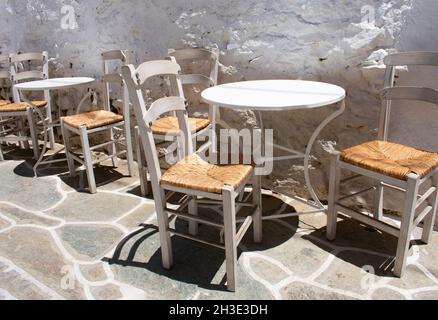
{"points": [[196, 174], [20, 106], [92, 120], [169, 125], [391, 159]]}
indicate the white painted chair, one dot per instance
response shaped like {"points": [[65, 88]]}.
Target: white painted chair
{"points": [[101, 121], [198, 126], [5, 98], [186, 58], [22, 70], [391, 166], [199, 180], [5, 78]]}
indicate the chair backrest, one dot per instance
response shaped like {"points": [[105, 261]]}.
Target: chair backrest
{"points": [[185, 57], [391, 92], [135, 80], [5, 76], [22, 69], [121, 57]]}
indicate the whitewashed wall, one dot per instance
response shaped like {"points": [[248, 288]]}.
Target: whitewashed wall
{"points": [[337, 41]]}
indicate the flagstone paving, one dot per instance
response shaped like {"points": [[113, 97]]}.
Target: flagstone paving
{"points": [[59, 242]]}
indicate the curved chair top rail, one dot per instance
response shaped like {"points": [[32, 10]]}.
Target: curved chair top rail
{"points": [[163, 106], [20, 75], [116, 55], [27, 75], [410, 93], [201, 79], [112, 78], [155, 68], [5, 75], [412, 58], [32, 56], [4, 58], [194, 54]]}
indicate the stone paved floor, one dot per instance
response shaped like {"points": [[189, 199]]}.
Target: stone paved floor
{"points": [[60, 243]]}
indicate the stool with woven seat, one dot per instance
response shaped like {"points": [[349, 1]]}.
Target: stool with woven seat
{"points": [[8, 112], [391, 166], [18, 113], [100, 121], [169, 125], [192, 177], [166, 127]]}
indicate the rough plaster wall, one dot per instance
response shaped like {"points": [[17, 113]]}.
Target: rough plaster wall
{"points": [[416, 124], [337, 41]]}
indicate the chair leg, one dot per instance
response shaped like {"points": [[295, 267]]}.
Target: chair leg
{"points": [[229, 203], [257, 201], [112, 150], [33, 133], [20, 125], [213, 136], [180, 151], [88, 160], [193, 210], [332, 214], [1, 153], [66, 139], [129, 153], [142, 165], [378, 201], [48, 108], [406, 226], [163, 226], [429, 222]]}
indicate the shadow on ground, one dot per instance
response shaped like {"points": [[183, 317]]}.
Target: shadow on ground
{"points": [[104, 175], [195, 263], [371, 247]]}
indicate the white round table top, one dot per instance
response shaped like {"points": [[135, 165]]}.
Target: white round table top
{"points": [[274, 95], [55, 83]]}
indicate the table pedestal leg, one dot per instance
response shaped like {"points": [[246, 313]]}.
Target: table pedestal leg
{"points": [[48, 97], [306, 156], [312, 140]]}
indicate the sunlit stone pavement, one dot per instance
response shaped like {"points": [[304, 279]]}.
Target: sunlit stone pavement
{"points": [[59, 242]]}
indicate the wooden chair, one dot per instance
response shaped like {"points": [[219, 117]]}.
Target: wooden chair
{"points": [[5, 97], [193, 177], [102, 121], [21, 70], [392, 166], [186, 58], [5, 78], [168, 126]]}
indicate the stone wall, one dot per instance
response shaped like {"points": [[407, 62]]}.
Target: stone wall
{"points": [[338, 41]]}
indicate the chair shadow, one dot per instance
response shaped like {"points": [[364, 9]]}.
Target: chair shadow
{"points": [[136, 191], [194, 263], [25, 169], [16, 153], [103, 175], [361, 246]]}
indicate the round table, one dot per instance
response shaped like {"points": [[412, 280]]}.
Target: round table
{"points": [[281, 95], [54, 84], [47, 85]]}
